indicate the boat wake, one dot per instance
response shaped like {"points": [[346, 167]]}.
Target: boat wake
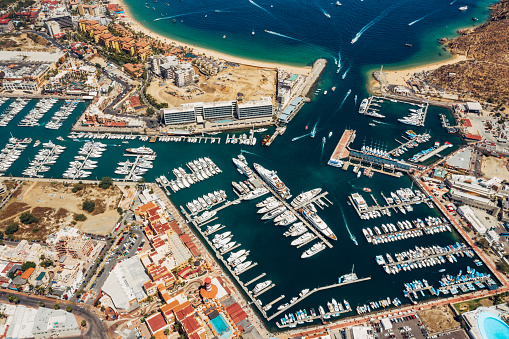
{"points": [[346, 72], [452, 2], [284, 36], [260, 7], [244, 151], [344, 99], [300, 137], [323, 146], [179, 15], [339, 62], [355, 99], [324, 12], [424, 17], [313, 131], [371, 23], [354, 239]]}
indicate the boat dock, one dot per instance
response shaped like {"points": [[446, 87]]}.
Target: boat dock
{"points": [[341, 150], [129, 176], [454, 285], [393, 236], [427, 256], [406, 144], [322, 195], [432, 153], [306, 242], [220, 228], [316, 289], [255, 279], [384, 207], [247, 268], [263, 291], [278, 131], [322, 317], [231, 249], [243, 139], [297, 214], [275, 300]]}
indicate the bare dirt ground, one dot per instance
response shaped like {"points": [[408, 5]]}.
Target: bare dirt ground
{"points": [[439, 319], [98, 60], [24, 42], [55, 206], [495, 167], [252, 82]]}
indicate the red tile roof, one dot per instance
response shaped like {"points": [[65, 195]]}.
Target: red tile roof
{"points": [[156, 323], [473, 136]]}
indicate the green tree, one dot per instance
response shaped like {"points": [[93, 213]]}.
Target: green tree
{"points": [[483, 243], [41, 303], [503, 267], [56, 306], [1, 235], [28, 218], [27, 264], [83, 323], [120, 210], [166, 331], [12, 228], [88, 206], [106, 182], [68, 309]]}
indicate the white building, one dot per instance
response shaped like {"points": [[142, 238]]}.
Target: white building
{"points": [[43, 323], [124, 285], [469, 215], [53, 28]]}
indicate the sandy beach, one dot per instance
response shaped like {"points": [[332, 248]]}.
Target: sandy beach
{"points": [[136, 26], [399, 77]]}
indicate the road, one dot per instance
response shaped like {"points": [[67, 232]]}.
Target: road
{"points": [[96, 329]]}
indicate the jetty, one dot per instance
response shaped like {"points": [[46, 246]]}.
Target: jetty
{"points": [[341, 150], [255, 279], [314, 290], [432, 153]]}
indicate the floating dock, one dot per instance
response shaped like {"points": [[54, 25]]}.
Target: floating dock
{"points": [[432, 153], [255, 279]]}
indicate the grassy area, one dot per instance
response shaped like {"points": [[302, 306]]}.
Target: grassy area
{"points": [[471, 305]]}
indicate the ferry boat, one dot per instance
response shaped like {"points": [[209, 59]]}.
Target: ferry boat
{"points": [[271, 178], [305, 196], [318, 223], [318, 247], [140, 150]]}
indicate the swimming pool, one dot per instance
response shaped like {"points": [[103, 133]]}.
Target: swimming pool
{"points": [[492, 327], [221, 327]]}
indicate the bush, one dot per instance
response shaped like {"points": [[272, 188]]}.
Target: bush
{"points": [[80, 217], [77, 187], [88, 206], [28, 218], [120, 210], [106, 182], [12, 228], [68, 309], [41, 303], [35, 230], [56, 306], [27, 264]]}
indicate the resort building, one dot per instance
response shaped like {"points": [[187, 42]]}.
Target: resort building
{"points": [[25, 70], [217, 111], [70, 241], [255, 109], [54, 28]]}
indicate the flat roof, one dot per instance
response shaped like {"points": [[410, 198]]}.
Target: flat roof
{"points": [[461, 159], [30, 56]]}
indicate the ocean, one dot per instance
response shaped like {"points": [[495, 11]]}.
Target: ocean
{"points": [[301, 32]]}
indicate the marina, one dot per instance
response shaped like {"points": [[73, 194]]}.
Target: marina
{"points": [[46, 157], [11, 152], [135, 170]]}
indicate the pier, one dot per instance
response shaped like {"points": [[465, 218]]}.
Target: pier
{"points": [[316, 289], [129, 176], [341, 150], [263, 291], [402, 144], [245, 269], [306, 242], [297, 214], [427, 256], [410, 233], [432, 153], [220, 228], [278, 131], [231, 249], [255, 279], [275, 300], [384, 207]]}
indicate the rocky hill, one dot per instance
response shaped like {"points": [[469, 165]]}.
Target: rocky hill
{"points": [[486, 76]]}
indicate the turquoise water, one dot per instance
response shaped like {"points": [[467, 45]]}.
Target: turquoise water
{"points": [[492, 327], [221, 327]]}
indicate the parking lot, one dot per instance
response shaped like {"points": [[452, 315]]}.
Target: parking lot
{"points": [[411, 327]]}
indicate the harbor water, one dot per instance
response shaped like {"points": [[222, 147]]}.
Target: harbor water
{"points": [[302, 164]]}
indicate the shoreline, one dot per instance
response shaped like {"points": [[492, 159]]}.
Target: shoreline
{"points": [[137, 26], [397, 77]]}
